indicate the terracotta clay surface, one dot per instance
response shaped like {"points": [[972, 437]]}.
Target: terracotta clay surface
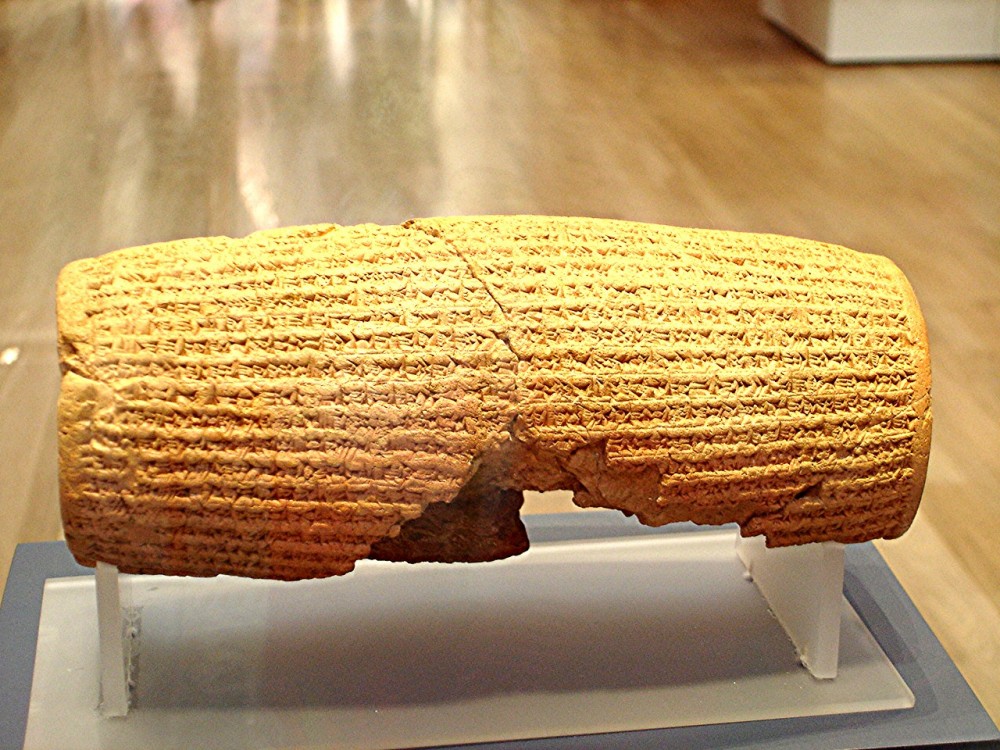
{"points": [[286, 404]]}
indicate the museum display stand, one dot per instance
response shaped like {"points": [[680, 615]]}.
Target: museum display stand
{"points": [[605, 634], [803, 586]]}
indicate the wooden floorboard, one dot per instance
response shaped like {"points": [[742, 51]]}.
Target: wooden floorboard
{"points": [[125, 122]]}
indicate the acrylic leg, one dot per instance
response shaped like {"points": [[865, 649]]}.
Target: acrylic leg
{"points": [[804, 587], [114, 629]]}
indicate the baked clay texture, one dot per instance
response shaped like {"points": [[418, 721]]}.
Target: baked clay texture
{"points": [[286, 404]]}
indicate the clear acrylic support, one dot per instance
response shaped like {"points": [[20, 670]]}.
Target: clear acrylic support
{"points": [[803, 586], [116, 631], [600, 627]]}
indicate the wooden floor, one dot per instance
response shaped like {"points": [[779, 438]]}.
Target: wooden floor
{"points": [[128, 121]]}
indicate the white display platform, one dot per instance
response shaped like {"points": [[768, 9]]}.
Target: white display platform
{"points": [[570, 638], [867, 31]]}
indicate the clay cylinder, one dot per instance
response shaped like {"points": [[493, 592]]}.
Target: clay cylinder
{"points": [[286, 404]]}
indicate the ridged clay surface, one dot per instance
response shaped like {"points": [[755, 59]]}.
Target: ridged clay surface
{"points": [[288, 403]]}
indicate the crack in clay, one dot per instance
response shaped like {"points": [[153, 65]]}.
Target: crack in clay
{"points": [[435, 234], [402, 541], [582, 481], [512, 428]]}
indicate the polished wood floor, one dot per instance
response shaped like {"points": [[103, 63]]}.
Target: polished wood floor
{"points": [[128, 121]]}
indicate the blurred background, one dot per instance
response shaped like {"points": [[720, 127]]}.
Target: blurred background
{"points": [[124, 122]]}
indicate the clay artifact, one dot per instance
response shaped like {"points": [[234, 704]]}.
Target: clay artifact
{"points": [[284, 405]]}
